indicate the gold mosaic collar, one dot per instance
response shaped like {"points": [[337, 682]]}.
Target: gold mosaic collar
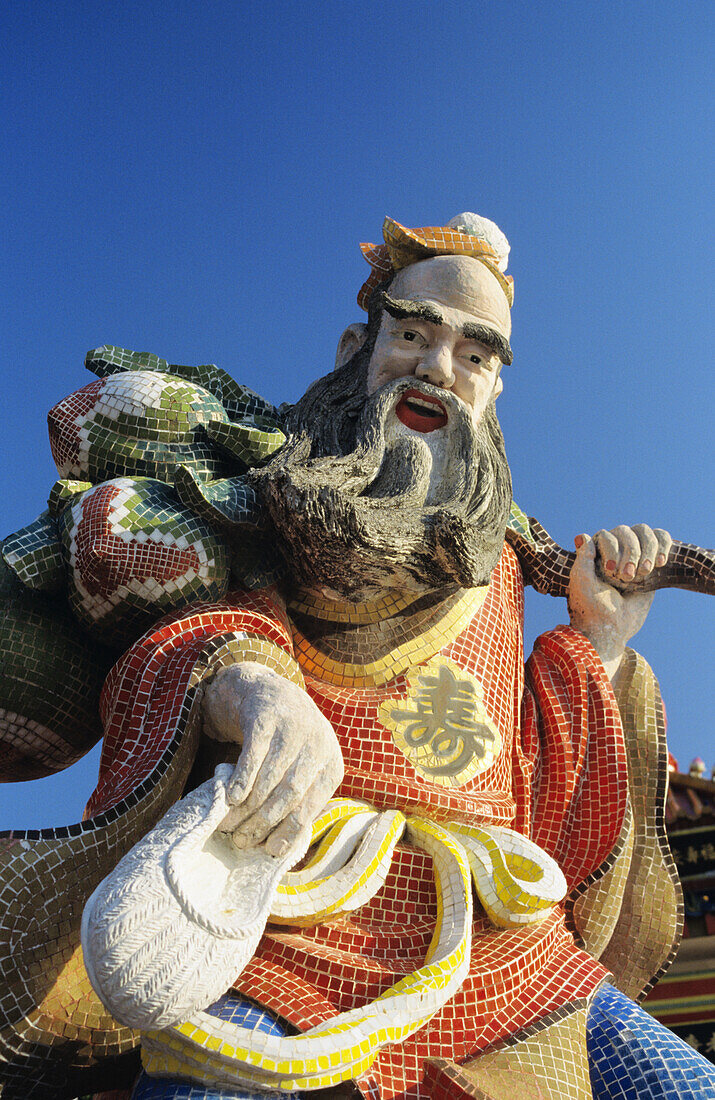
{"points": [[418, 647], [316, 606]]}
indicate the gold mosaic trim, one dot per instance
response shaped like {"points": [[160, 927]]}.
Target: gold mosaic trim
{"points": [[636, 943], [337, 611], [414, 651], [253, 647], [646, 938], [551, 1064]]}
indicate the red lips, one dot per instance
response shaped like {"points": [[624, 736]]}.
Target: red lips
{"points": [[411, 411]]}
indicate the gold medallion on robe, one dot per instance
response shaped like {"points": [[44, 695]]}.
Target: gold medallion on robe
{"points": [[442, 725]]}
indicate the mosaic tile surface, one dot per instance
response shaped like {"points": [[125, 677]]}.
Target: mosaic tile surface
{"points": [[516, 976], [51, 675], [238, 401], [137, 424], [134, 553], [632, 1055], [335, 961], [236, 1010], [610, 915], [143, 421], [549, 1066], [35, 555], [45, 875], [378, 965]]}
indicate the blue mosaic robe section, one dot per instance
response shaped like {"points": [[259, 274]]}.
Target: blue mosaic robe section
{"points": [[235, 1010], [634, 1057]]}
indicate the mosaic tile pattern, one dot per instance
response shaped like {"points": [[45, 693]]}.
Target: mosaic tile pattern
{"points": [[308, 975], [346, 1046], [237, 400], [554, 785], [610, 914], [442, 726], [334, 974], [135, 424], [231, 506], [134, 553], [35, 555], [405, 246], [632, 1055], [51, 675], [552, 1065], [141, 421], [235, 1010], [226, 504], [151, 736]]}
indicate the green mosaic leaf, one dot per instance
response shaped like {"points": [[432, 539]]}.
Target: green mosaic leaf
{"points": [[252, 443], [34, 554], [238, 400], [64, 492]]}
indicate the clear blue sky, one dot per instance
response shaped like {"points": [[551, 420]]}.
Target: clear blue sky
{"points": [[194, 179]]}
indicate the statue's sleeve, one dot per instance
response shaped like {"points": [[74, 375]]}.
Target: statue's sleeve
{"points": [[151, 710], [151, 699], [632, 916], [598, 786]]}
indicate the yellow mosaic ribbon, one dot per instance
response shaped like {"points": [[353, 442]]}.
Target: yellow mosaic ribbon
{"points": [[307, 903], [221, 1054], [515, 880]]}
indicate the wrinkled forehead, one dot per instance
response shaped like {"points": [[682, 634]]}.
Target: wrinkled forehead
{"points": [[457, 282]]}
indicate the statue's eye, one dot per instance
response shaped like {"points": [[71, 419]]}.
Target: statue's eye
{"points": [[410, 336], [475, 359]]}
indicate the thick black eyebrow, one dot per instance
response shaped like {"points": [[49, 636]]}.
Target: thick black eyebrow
{"points": [[491, 339], [400, 309]]}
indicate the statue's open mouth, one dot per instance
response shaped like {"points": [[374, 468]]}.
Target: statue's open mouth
{"points": [[421, 412]]}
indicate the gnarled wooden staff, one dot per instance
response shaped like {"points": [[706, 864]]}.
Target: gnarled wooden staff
{"points": [[547, 566]]}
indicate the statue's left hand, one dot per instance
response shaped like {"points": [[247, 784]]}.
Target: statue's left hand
{"points": [[610, 616], [290, 762]]}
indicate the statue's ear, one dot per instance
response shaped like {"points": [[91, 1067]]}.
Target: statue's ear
{"points": [[351, 341]]}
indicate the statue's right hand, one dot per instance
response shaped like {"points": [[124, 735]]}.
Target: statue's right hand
{"points": [[290, 762]]}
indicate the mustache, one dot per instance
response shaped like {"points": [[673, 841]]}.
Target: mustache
{"points": [[354, 504], [382, 464]]}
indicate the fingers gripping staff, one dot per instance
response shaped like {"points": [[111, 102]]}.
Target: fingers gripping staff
{"points": [[601, 606]]}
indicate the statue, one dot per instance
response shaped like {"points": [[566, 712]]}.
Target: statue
{"points": [[302, 629]]}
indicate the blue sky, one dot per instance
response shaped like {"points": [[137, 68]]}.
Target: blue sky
{"points": [[194, 180]]}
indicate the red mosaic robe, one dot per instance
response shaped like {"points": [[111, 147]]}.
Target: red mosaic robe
{"points": [[560, 778]]}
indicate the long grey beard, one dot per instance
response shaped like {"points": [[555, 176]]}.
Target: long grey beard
{"points": [[374, 518]]}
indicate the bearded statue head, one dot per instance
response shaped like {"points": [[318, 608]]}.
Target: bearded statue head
{"points": [[394, 474]]}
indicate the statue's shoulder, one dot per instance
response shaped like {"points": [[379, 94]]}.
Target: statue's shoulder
{"points": [[153, 509]]}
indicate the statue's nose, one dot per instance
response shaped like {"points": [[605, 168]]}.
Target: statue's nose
{"points": [[436, 367]]}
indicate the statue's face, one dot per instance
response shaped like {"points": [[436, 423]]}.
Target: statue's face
{"points": [[405, 487], [451, 317]]}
